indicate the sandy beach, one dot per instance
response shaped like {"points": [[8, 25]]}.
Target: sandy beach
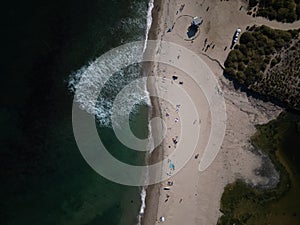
{"points": [[193, 196]]}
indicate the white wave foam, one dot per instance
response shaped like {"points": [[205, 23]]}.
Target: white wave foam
{"points": [[133, 26], [94, 74], [143, 206], [149, 21], [149, 24]]}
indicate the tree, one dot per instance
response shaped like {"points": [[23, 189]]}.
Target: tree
{"points": [[247, 37], [230, 72], [269, 32], [253, 3], [298, 11], [244, 49], [279, 43]]}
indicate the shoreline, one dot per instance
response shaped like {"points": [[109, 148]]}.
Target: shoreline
{"points": [[195, 196], [153, 191]]}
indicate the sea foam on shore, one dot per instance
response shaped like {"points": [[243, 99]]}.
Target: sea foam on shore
{"points": [[92, 76], [143, 192]]}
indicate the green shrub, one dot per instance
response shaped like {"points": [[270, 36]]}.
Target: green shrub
{"points": [[247, 63], [281, 10], [246, 38], [253, 3], [298, 11], [274, 62]]}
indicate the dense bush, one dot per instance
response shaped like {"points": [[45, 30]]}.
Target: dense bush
{"points": [[253, 62], [298, 11], [281, 10], [253, 3]]}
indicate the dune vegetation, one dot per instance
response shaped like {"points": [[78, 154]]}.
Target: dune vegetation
{"points": [[280, 10], [266, 62]]}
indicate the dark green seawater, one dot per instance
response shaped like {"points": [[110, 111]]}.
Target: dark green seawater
{"points": [[44, 179]]}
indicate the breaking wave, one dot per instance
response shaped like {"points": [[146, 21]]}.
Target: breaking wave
{"points": [[95, 73], [132, 29], [91, 77]]}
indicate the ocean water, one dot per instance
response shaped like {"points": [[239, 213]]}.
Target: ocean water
{"points": [[44, 179]]}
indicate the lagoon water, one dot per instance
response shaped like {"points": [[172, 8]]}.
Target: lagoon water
{"points": [[44, 179]]}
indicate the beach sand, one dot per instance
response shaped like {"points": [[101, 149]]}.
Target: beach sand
{"points": [[194, 197]]}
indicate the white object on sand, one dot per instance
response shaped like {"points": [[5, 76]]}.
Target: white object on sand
{"points": [[197, 21], [162, 219]]}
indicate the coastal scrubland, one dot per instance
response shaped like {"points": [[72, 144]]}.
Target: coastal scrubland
{"points": [[280, 10], [266, 63]]}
